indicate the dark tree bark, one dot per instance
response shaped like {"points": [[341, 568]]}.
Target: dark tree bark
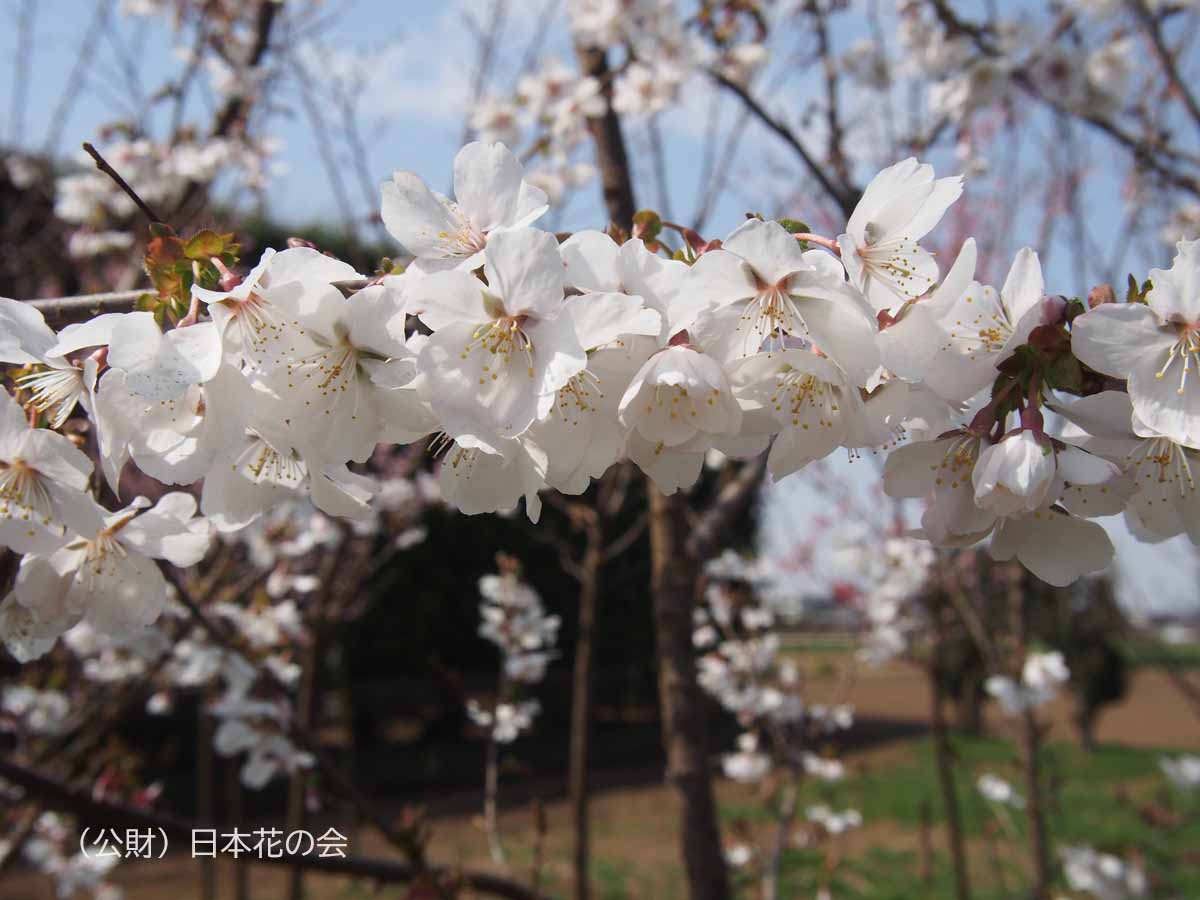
{"points": [[943, 756], [677, 554], [943, 753], [581, 702], [1030, 742], [673, 580], [611, 158]]}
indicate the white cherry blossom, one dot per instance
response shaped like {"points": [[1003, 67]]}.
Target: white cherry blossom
{"points": [[499, 352], [760, 287], [1163, 497], [348, 359], [815, 407], [680, 401], [880, 247], [475, 480], [43, 484], [57, 385], [1015, 475], [1154, 345], [254, 330], [954, 341], [491, 195], [582, 434], [106, 576]]}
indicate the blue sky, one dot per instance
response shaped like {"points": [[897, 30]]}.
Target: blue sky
{"points": [[414, 61]]}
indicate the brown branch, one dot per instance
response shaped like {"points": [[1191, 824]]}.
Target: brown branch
{"points": [[1143, 151], [84, 306], [103, 166], [845, 195], [237, 106], [407, 840], [611, 156], [830, 69], [1166, 59], [631, 536], [115, 815], [732, 500]]}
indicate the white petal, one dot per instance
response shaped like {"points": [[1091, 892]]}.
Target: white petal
{"points": [[1114, 337], [1175, 292], [524, 268], [1054, 546], [1163, 404], [487, 182], [447, 298], [590, 260], [910, 470], [418, 218], [769, 249], [97, 332], [169, 532], [670, 469], [602, 318], [1024, 287], [24, 335], [718, 278]]}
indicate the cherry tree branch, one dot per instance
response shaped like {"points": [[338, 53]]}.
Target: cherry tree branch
{"points": [[102, 813], [406, 840], [732, 500], [1144, 152], [103, 166], [238, 105], [845, 195], [1150, 24], [609, 142], [84, 306]]}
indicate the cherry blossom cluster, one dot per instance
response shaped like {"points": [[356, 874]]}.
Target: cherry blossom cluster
{"points": [[1041, 677], [890, 573], [1102, 875], [968, 72], [1183, 771], [996, 790], [740, 666], [656, 54], [53, 850], [535, 363], [160, 173], [513, 619]]}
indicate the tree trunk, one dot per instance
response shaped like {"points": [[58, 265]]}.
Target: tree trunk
{"points": [[306, 707], [205, 786], [673, 576], [1039, 839], [581, 705], [970, 704], [943, 755], [682, 703], [233, 814], [1085, 726], [611, 159], [1039, 845]]}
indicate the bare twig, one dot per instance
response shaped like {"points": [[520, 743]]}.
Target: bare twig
{"points": [[84, 306], [1149, 154], [1150, 24], [732, 500], [844, 195], [77, 79], [22, 65], [103, 166]]}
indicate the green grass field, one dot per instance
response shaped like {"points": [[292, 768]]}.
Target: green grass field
{"points": [[1114, 799]]}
